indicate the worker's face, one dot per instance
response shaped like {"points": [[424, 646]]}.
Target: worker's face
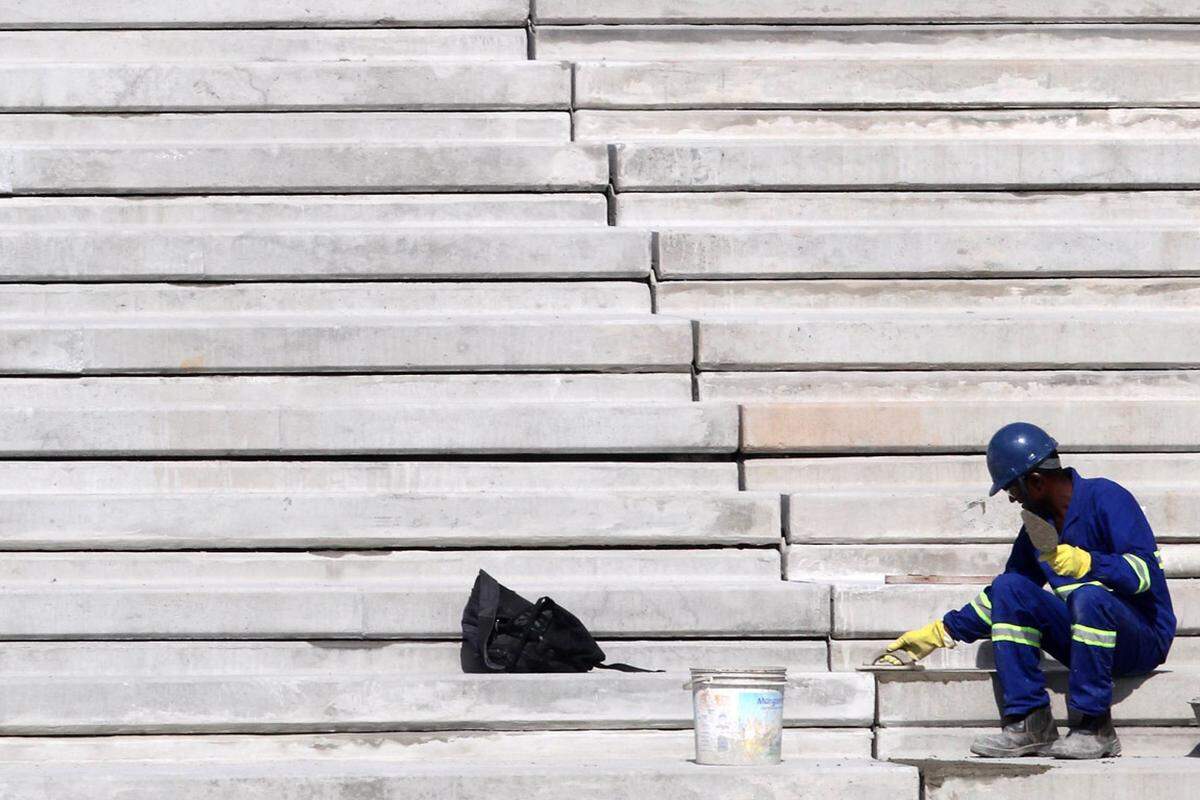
{"points": [[1034, 495]]}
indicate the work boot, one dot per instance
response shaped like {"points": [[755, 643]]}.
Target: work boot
{"points": [[1093, 737], [1030, 735]]}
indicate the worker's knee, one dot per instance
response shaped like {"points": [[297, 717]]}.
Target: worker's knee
{"points": [[1090, 605], [1011, 586]]}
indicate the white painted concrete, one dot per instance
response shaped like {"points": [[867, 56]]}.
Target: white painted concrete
{"points": [[955, 743]]}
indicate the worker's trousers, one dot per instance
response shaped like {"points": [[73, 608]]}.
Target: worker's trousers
{"points": [[1094, 632]]}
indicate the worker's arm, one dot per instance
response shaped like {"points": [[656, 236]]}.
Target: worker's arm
{"points": [[974, 620], [1133, 566]]}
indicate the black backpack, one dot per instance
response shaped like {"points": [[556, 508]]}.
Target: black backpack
{"points": [[504, 632]]}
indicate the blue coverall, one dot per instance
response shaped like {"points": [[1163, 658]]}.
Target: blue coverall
{"points": [[1115, 621]]}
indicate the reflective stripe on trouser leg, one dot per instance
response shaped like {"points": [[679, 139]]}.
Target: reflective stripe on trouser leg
{"points": [[1093, 637], [1065, 590], [1017, 634]]}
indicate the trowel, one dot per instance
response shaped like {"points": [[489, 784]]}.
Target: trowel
{"points": [[1043, 534]]}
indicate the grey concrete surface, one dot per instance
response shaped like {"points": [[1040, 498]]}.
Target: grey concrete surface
{"points": [[310, 212], [801, 779], [903, 164], [259, 519], [170, 46], [28, 478], [846, 655], [859, 11], [954, 743], [285, 86], [331, 253], [952, 699], [312, 126], [979, 250], [262, 13], [300, 168], [895, 82], [166, 704], [1144, 777]]}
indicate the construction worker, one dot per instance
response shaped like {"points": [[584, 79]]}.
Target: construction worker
{"points": [[1107, 612]]}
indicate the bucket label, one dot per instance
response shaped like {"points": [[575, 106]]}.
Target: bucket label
{"points": [[739, 726]]}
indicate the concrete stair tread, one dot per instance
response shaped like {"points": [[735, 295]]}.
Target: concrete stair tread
{"points": [[357, 519], [822, 11], [498, 213], [846, 655], [297, 167], [263, 13], [344, 252], [158, 46], [953, 80], [849, 164], [910, 745], [220, 85]]}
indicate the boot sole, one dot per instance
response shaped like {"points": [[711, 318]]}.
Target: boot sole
{"points": [[1109, 752], [1018, 752]]}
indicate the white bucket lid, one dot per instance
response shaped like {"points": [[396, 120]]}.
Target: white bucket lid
{"points": [[760, 676]]}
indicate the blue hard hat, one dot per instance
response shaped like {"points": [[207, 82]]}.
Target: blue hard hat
{"points": [[1015, 451]]}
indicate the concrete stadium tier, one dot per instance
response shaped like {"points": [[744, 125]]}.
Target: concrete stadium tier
{"points": [[306, 519], [897, 82], [846, 655], [875, 611], [281, 703], [150, 477], [920, 210], [801, 779], [396, 127], [904, 164], [214, 658], [261, 13], [544, 746], [312, 213], [285, 86], [911, 744], [466, 44], [775, 42], [346, 253], [1013, 779], [957, 698], [727, 124], [301, 168], [859, 11]]}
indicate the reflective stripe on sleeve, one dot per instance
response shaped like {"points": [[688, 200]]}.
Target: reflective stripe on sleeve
{"points": [[1158, 558], [982, 605], [1140, 569], [1094, 637], [1017, 634]]}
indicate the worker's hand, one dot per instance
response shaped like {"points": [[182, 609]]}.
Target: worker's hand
{"points": [[919, 643], [1069, 561]]}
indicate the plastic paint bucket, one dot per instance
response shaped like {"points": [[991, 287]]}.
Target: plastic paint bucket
{"points": [[738, 715]]}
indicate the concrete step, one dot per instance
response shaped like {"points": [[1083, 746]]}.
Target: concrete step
{"points": [[875, 562], [904, 164], [954, 514], [197, 659], [289, 86], [300, 168], [208, 46], [846, 655], [822, 11], [919, 210], [950, 339], [31, 478], [864, 611], [315, 415], [726, 124], [361, 126], [1010, 780], [1148, 475], [669, 42], [115, 301], [357, 519], [277, 704], [262, 13], [323, 342], [901, 81], [801, 779], [986, 249], [411, 748], [332, 253], [959, 699], [921, 744], [312, 213]]}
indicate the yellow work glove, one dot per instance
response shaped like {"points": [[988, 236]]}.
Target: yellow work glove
{"points": [[1068, 561], [919, 643]]}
